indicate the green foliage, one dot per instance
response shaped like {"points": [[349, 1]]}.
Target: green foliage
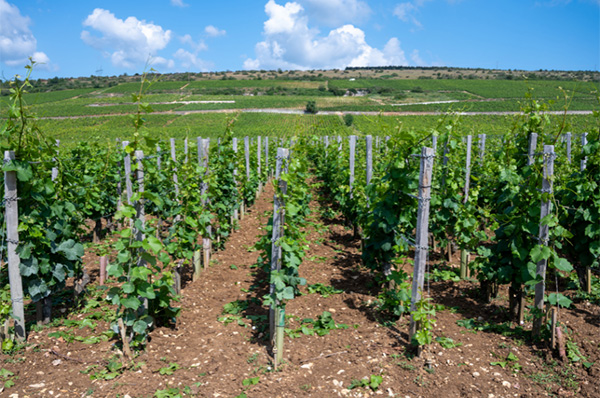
{"points": [[286, 280], [170, 369], [423, 314], [323, 290], [373, 382], [511, 360], [48, 220], [7, 378], [311, 107], [348, 119], [320, 327], [447, 342], [145, 292]]}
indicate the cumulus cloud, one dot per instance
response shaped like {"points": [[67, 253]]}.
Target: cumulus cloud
{"points": [[336, 12], [17, 42], [291, 44], [214, 32], [129, 43]]}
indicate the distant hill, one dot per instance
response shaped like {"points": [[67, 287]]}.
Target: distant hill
{"points": [[383, 73]]}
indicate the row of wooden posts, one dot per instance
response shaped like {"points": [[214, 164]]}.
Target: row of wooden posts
{"points": [[421, 245], [12, 215], [424, 196]]}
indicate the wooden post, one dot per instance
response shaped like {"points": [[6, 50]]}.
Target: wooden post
{"points": [[55, 169], [185, 149], [206, 241], [127, 165], [119, 187], [467, 170], [11, 208], [543, 235], [258, 168], [352, 158], [583, 143], [588, 269], [421, 247], [277, 315], [339, 140], [247, 159], [531, 148], [434, 140], [481, 148], [140, 215], [369, 157], [103, 265], [158, 157], [235, 172], [267, 168], [174, 159], [568, 143], [464, 264]]}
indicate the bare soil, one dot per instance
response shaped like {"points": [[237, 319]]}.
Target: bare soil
{"points": [[209, 358]]}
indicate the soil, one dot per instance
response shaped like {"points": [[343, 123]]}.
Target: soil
{"points": [[202, 356]]}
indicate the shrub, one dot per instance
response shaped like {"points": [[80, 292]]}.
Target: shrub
{"points": [[348, 119], [311, 107]]}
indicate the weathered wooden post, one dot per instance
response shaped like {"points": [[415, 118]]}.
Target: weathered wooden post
{"points": [[481, 147], [531, 148], [582, 167], [247, 159], [276, 314], [158, 157], [11, 208], [540, 287], [421, 247], [464, 254], [127, 166], [352, 158], [568, 143], [174, 159], [258, 168], [206, 241], [369, 157], [55, 169], [185, 149], [267, 168], [234, 144], [583, 143]]}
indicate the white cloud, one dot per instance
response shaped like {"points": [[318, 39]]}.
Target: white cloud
{"points": [[336, 12], [191, 61], [17, 42], [129, 43], [407, 11], [197, 47], [178, 3], [214, 32], [291, 44]]}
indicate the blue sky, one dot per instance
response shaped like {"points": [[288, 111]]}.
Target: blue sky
{"points": [[81, 38]]}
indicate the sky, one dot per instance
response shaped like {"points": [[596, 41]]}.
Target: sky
{"points": [[70, 38]]}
